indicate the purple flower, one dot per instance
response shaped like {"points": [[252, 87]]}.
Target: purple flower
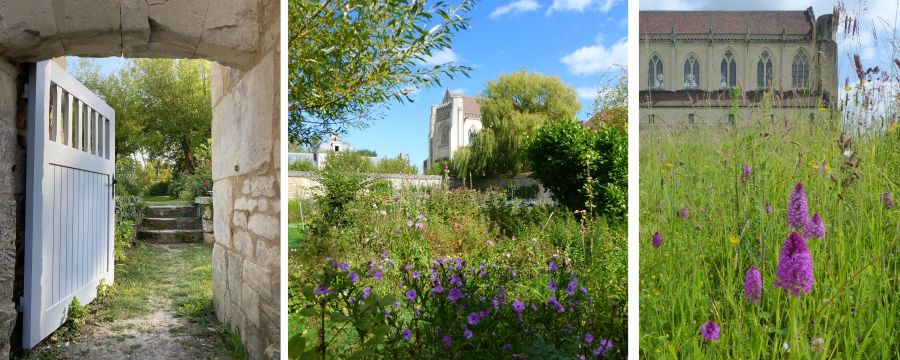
{"points": [[506, 347], [377, 275], [753, 285], [551, 285], [657, 240], [795, 271], [473, 319], [605, 347], [320, 290], [409, 223], [518, 307], [420, 226], [683, 213], [384, 254], [797, 211], [411, 294], [366, 292], [768, 208], [354, 277], [407, 334], [447, 340], [398, 232], [815, 228], [407, 267], [484, 314], [887, 199], [554, 303], [746, 174], [588, 338], [343, 267], [455, 294], [455, 280], [415, 275], [421, 217], [710, 331], [437, 289], [387, 314], [552, 266], [573, 284], [467, 334]]}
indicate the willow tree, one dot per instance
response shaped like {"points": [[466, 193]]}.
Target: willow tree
{"points": [[513, 108], [349, 59]]}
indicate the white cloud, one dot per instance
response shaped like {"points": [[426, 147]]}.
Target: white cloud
{"points": [[515, 7], [586, 92], [460, 91], [595, 59], [441, 57], [581, 5]]}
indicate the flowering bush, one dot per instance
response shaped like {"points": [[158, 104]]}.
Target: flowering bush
{"points": [[448, 308]]}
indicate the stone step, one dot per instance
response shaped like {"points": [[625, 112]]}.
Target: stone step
{"points": [[170, 211], [175, 223], [171, 236]]}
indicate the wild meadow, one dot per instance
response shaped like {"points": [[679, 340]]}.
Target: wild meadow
{"points": [[731, 266], [409, 273]]}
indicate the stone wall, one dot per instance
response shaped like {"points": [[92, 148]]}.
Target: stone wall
{"points": [[205, 209], [303, 184], [246, 192], [12, 198]]}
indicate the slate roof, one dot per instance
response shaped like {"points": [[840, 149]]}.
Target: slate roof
{"points": [[725, 22]]}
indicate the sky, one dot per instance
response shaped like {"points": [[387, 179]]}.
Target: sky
{"points": [[577, 40]]}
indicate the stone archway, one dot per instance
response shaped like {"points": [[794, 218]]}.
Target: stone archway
{"points": [[242, 36]]}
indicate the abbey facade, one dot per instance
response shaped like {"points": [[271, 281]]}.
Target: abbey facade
{"points": [[730, 67], [452, 124]]}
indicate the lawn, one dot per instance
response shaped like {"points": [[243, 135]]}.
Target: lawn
{"points": [[163, 200], [720, 207]]}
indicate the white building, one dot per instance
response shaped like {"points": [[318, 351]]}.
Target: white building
{"points": [[452, 125], [331, 145]]}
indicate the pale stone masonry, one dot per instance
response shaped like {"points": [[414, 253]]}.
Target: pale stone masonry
{"points": [[691, 60], [451, 126], [242, 37]]}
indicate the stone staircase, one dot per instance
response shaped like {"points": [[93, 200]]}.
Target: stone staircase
{"points": [[171, 224]]}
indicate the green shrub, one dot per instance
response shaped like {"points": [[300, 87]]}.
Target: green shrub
{"points": [[187, 186], [130, 176], [124, 239], [302, 165], [159, 189], [130, 208], [583, 169], [397, 165], [76, 313]]}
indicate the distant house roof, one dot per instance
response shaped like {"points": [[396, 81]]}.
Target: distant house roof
{"points": [[725, 22]]}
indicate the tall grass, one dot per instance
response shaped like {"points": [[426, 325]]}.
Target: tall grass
{"points": [[697, 274]]}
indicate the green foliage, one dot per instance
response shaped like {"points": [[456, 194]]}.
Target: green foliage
{"points": [[341, 183], [583, 169], [124, 239], [348, 161], [130, 177], [76, 313], [349, 58], [159, 189], [366, 152], [611, 104], [302, 165], [439, 166], [513, 108], [397, 165], [189, 185], [162, 106], [130, 208]]}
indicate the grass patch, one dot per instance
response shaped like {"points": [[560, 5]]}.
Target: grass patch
{"points": [[163, 200], [698, 272]]}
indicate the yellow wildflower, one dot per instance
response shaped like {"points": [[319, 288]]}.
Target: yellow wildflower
{"points": [[734, 239], [823, 109], [895, 126]]}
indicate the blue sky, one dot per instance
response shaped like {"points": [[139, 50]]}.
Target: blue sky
{"points": [[577, 40]]}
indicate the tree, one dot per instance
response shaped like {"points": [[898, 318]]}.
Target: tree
{"points": [[611, 104], [513, 108], [162, 107], [583, 169], [347, 59]]}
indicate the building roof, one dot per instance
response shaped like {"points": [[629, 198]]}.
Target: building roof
{"points": [[725, 22], [471, 105]]}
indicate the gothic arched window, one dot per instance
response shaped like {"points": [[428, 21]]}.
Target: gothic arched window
{"points": [[764, 71], [471, 134], [655, 73], [729, 71], [800, 71], [445, 135], [691, 73]]}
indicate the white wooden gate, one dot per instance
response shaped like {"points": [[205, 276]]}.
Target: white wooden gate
{"points": [[69, 198]]}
